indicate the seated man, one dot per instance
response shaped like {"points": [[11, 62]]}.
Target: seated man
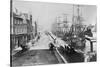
{"points": [[51, 46]]}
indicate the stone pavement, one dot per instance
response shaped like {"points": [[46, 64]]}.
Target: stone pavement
{"points": [[34, 57]]}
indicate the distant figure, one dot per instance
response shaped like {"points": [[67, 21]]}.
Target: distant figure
{"points": [[62, 49], [88, 35], [38, 36], [67, 49], [51, 46], [54, 40], [88, 32], [70, 49]]}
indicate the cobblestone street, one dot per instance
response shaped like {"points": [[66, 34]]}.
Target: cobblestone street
{"points": [[34, 57]]}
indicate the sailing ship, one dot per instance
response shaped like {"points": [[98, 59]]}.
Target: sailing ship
{"points": [[76, 35]]}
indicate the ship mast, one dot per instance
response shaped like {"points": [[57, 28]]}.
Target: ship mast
{"points": [[78, 20], [75, 20]]}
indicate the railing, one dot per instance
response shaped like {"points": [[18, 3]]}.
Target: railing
{"points": [[64, 60]]}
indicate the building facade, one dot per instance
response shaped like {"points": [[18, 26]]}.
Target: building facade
{"points": [[20, 29]]}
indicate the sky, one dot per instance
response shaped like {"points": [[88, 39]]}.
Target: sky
{"points": [[45, 13]]}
